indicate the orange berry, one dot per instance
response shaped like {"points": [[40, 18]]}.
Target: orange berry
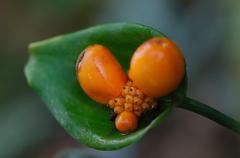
{"points": [[128, 106], [139, 94], [119, 101], [149, 100], [99, 74], [145, 106], [125, 90], [137, 107], [157, 67], [137, 101], [111, 103], [132, 91], [129, 83], [129, 99], [118, 109], [126, 122]]}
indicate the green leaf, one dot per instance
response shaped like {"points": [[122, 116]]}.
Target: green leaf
{"points": [[51, 72]]}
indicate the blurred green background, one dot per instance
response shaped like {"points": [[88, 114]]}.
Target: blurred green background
{"points": [[208, 33]]}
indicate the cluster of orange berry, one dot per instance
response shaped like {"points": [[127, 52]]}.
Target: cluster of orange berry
{"points": [[156, 69], [132, 99]]}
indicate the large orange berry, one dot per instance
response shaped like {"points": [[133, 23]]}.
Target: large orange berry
{"points": [[99, 74], [157, 67], [126, 122]]}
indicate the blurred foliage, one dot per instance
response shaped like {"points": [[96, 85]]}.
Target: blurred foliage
{"points": [[24, 124], [31, 21], [234, 45], [74, 154]]}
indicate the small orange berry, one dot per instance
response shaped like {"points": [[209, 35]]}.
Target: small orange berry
{"points": [[99, 74], [149, 100], [125, 90], [128, 106], [132, 91], [139, 94], [129, 99], [126, 122], [118, 109], [145, 106], [157, 67], [137, 101], [119, 101], [137, 107], [111, 103], [129, 83]]}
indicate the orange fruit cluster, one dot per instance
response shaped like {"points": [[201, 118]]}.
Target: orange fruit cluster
{"points": [[156, 69], [133, 100]]}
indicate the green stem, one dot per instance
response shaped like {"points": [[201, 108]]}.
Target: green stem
{"points": [[210, 113]]}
